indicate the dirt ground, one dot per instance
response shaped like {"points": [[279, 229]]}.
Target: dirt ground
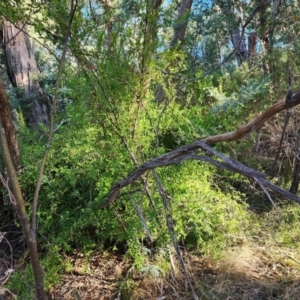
{"points": [[243, 274]]}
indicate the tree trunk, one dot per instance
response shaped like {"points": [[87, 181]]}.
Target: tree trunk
{"points": [[181, 22], [264, 35], [239, 43], [295, 182], [9, 128], [19, 205], [178, 36], [148, 50], [234, 21], [22, 71], [150, 36], [252, 46], [108, 6]]}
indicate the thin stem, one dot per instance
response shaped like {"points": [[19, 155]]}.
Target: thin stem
{"points": [[52, 114]]}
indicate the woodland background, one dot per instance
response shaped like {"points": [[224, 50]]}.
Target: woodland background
{"points": [[92, 90]]}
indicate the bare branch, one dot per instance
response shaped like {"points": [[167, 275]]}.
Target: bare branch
{"points": [[188, 152]]}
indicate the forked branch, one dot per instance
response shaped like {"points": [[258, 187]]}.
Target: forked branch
{"points": [[189, 152]]}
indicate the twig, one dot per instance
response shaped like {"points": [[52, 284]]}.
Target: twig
{"points": [[172, 233], [142, 218], [286, 121], [2, 237], [6, 186], [53, 109], [265, 191], [8, 291]]}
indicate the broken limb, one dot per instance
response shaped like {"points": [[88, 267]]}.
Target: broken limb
{"points": [[188, 152]]}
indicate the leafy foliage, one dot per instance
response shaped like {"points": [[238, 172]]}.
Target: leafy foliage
{"points": [[109, 121], [250, 91]]}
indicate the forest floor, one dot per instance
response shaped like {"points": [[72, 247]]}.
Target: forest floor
{"points": [[244, 273]]}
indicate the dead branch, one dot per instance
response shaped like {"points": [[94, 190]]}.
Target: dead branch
{"points": [[286, 121], [245, 130], [4, 290], [172, 233], [188, 152]]}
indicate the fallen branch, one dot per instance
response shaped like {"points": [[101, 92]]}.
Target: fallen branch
{"points": [[245, 130], [188, 152], [4, 290]]}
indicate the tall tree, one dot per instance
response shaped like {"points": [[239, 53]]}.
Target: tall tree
{"points": [[149, 44], [108, 6], [181, 22], [234, 13], [180, 28], [23, 72]]}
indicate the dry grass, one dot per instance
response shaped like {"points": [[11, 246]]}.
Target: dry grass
{"points": [[244, 273]]}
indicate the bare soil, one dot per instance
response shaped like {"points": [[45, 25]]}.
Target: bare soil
{"points": [[244, 274]]}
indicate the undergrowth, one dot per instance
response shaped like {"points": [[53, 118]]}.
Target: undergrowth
{"points": [[213, 213]]}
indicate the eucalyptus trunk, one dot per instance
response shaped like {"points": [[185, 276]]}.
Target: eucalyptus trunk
{"points": [[179, 33], [234, 13], [23, 72], [182, 18]]}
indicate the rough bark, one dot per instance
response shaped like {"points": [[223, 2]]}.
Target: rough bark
{"points": [[9, 128], [263, 22], [22, 71], [252, 45], [149, 34], [74, 5]]}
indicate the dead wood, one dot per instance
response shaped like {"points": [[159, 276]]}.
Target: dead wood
{"points": [[295, 182], [189, 152]]}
